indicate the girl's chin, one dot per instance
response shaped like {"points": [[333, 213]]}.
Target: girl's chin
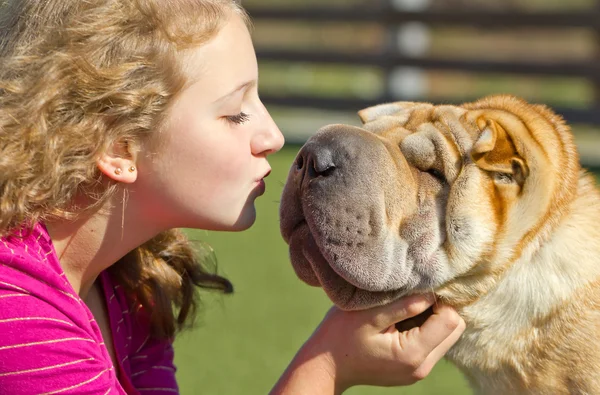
{"points": [[225, 223], [244, 221]]}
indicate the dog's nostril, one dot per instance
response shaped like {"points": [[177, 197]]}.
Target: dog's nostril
{"points": [[317, 169], [299, 163], [328, 171], [316, 161]]}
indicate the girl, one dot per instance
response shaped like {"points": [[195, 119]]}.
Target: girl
{"points": [[121, 120]]}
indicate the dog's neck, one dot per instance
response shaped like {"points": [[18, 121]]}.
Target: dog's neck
{"points": [[531, 290]]}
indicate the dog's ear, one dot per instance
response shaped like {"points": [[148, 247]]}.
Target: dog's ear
{"points": [[494, 151], [400, 109], [386, 116]]}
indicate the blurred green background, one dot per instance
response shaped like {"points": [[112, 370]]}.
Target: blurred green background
{"points": [[243, 342]]}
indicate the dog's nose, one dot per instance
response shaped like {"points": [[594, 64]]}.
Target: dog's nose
{"points": [[316, 160]]}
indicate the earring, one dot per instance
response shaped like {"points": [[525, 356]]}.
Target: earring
{"points": [[118, 171], [125, 199], [132, 169]]}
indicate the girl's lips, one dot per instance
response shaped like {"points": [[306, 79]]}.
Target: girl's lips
{"points": [[260, 187], [260, 183]]}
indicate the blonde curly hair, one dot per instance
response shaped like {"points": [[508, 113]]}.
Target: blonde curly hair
{"points": [[77, 77]]}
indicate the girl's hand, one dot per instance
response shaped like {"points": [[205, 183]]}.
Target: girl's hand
{"points": [[364, 348]]}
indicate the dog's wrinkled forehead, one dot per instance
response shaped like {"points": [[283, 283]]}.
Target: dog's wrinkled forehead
{"points": [[389, 116], [414, 117]]}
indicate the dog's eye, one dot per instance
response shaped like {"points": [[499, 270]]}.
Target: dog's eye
{"points": [[437, 174], [503, 178]]}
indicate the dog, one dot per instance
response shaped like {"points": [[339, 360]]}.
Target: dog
{"points": [[483, 203]]}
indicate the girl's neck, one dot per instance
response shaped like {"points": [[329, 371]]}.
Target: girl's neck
{"points": [[96, 240]]}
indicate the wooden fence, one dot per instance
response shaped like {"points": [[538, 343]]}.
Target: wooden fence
{"points": [[390, 58]]}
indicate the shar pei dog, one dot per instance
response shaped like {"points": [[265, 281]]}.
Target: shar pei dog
{"points": [[484, 204]]}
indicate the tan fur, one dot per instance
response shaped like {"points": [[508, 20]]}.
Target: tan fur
{"points": [[511, 237]]}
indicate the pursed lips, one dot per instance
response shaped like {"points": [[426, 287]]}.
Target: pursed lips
{"points": [[265, 175]]}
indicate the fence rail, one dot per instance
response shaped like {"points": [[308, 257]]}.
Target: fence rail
{"points": [[570, 69], [388, 15]]}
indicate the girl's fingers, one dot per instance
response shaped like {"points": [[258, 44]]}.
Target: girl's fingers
{"points": [[439, 352], [440, 330], [401, 309]]}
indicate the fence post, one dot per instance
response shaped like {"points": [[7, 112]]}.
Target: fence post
{"points": [[410, 39]]}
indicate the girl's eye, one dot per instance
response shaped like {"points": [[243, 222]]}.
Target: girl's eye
{"points": [[239, 118]]}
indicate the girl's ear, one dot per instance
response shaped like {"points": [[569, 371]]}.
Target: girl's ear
{"points": [[119, 162]]}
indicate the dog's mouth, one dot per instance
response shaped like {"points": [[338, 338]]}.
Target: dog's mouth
{"points": [[344, 294], [312, 267], [315, 270]]}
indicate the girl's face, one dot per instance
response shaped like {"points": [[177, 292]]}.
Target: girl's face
{"points": [[212, 156]]}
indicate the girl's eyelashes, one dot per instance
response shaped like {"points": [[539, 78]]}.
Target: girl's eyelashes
{"points": [[239, 118]]}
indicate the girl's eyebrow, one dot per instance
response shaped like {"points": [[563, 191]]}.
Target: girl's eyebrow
{"points": [[243, 87]]}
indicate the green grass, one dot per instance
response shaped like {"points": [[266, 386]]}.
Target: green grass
{"points": [[243, 342]]}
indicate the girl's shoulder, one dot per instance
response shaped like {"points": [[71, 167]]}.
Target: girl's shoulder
{"points": [[30, 252], [48, 341], [29, 266]]}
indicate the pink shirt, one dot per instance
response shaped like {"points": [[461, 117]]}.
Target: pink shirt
{"points": [[50, 342]]}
